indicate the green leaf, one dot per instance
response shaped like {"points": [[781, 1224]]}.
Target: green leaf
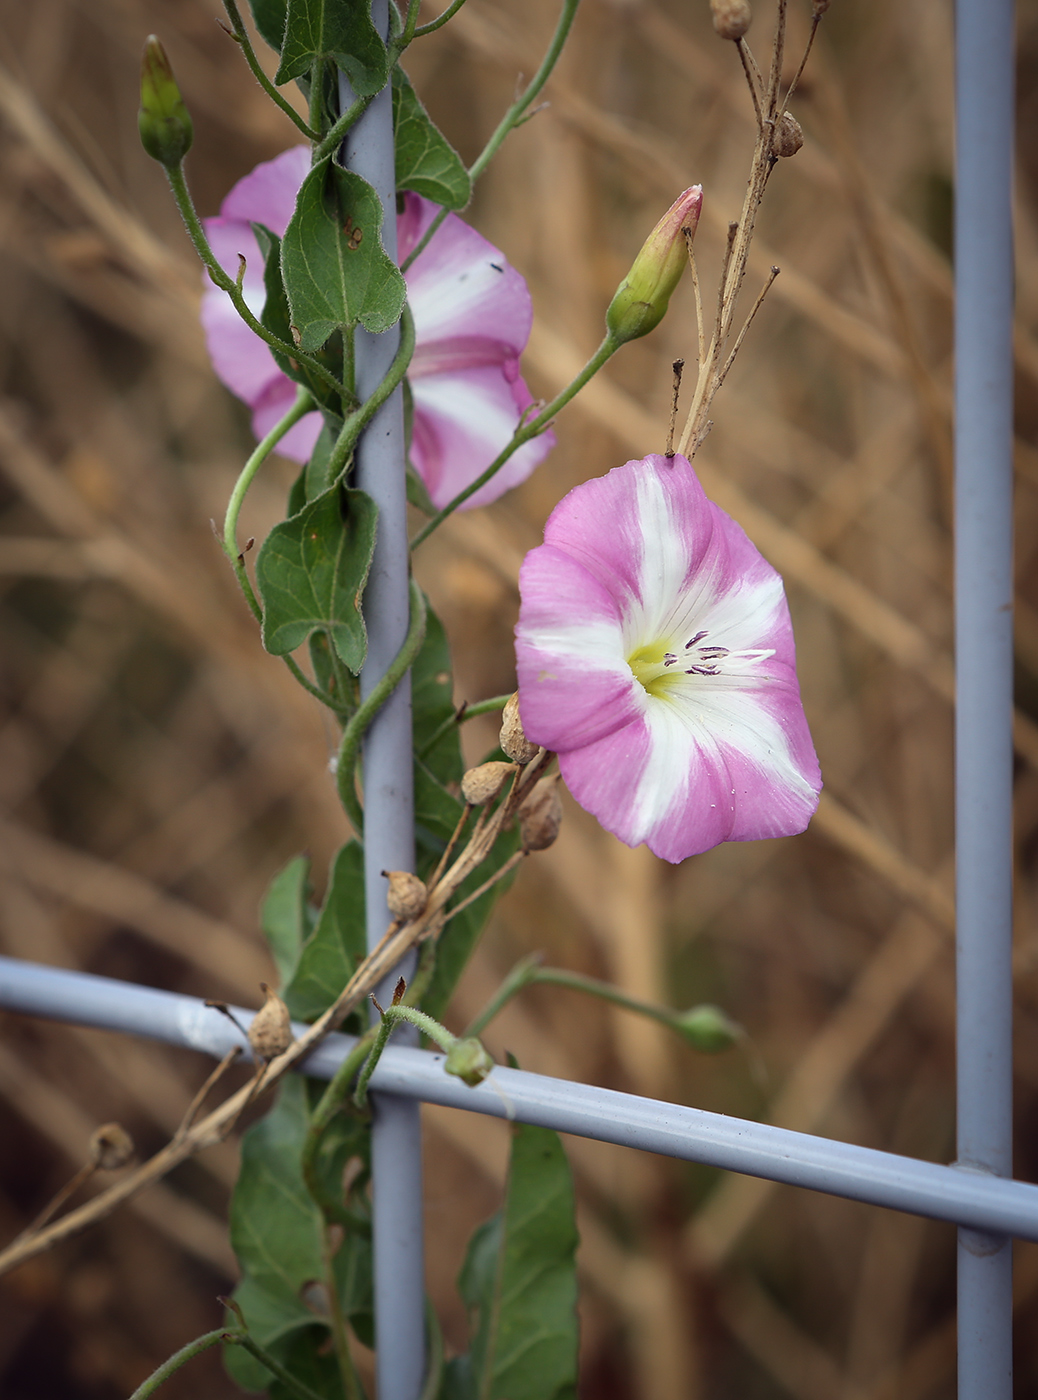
{"points": [[336, 271], [426, 162], [286, 917], [519, 1281], [337, 943], [270, 18], [278, 1235], [311, 572], [337, 29], [277, 318]]}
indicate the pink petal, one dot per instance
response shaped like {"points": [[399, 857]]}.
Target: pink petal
{"points": [[461, 285], [574, 684], [461, 423], [267, 195]]}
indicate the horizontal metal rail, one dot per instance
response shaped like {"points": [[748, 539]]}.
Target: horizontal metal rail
{"points": [[960, 1196]]}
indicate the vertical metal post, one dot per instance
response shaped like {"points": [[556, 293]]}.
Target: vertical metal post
{"points": [[984, 660], [388, 792]]}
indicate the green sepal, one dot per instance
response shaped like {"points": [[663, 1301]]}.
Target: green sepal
{"points": [[519, 1283], [311, 571], [426, 162], [337, 944], [337, 274], [340, 30]]}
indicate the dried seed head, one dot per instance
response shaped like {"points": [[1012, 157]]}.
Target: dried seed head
{"points": [[111, 1147], [270, 1033], [820, 6], [513, 737], [482, 784], [789, 135], [406, 895], [731, 17], [469, 1061], [540, 815]]}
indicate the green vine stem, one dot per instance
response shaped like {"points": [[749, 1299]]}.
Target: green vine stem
{"points": [[464, 712], [352, 735], [440, 20], [193, 224], [359, 420], [515, 115], [529, 971], [211, 1339], [241, 36], [303, 404], [337, 131], [522, 434]]}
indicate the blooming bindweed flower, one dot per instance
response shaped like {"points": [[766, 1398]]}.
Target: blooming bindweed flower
{"points": [[655, 656], [472, 315]]}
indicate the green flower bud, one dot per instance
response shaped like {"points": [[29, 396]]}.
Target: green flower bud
{"points": [[708, 1028], [469, 1061], [641, 300], [163, 120]]}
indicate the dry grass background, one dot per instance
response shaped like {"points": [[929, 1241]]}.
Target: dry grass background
{"points": [[156, 767]]}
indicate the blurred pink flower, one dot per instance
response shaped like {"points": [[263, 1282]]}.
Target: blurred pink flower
{"points": [[472, 317], [655, 656]]}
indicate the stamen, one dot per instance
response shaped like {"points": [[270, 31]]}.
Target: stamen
{"points": [[697, 638], [702, 671]]}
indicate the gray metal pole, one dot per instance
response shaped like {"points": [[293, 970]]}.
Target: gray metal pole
{"points": [[978, 1199], [984, 667], [388, 792]]}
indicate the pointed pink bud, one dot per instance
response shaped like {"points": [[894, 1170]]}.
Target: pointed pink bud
{"points": [[641, 301]]}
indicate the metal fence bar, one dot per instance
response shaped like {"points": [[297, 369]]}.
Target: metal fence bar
{"points": [[984, 667], [396, 1146], [977, 1199]]}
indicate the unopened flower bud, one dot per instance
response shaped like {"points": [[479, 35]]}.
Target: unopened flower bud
{"points": [[513, 739], [540, 815], [163, 120], [469, 1061], [642, 298], [731, 17], [483, 783], [270, 1033], [407, 894], [708, 1028], [789, 135], [111, 1147]]}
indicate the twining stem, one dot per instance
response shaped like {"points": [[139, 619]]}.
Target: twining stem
{"points": [[232, 1337], [353, 734], [302, 406], [522, 434], [342, 124], [410, 25], [359, 420], [351, 1387], [464, 711], [440, 20], [528, 972], [196, 233], [241, 35], [511, 119]]}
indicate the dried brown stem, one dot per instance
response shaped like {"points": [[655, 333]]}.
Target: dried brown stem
{"points": [[746, 326], [199, 1099], [701, 335], [753, 76]]}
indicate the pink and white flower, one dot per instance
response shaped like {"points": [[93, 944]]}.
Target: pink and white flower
{"points": [[472, 316], [655, 656]]}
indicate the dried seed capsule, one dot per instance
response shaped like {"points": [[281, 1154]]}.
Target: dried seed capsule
{"points": [[540, 815], [469, 1061], [731, 17], [407, 894], [270, 1033], [482, 784], [513, 737], [789, 135], [111, 1147]]}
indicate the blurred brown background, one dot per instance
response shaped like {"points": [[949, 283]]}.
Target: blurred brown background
{"points": [[156, 767]]}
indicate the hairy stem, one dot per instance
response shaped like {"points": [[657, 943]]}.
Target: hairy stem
{"points": [[241, 35]]}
